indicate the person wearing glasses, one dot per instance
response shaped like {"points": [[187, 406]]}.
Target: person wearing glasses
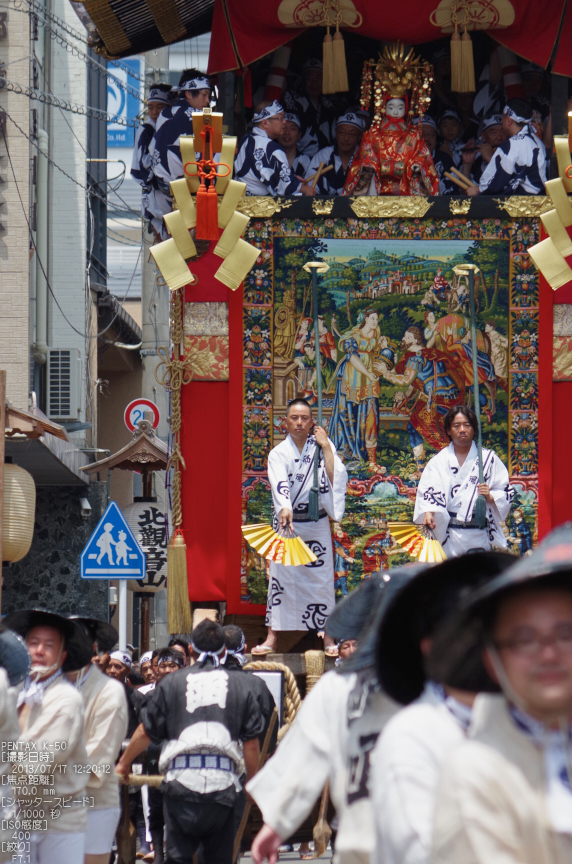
{"points": [[449, 487], [261, 162], [505, 793]]}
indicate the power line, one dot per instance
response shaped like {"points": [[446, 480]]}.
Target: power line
{"points": [[73, 107]]}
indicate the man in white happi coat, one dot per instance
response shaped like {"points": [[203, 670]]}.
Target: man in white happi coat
{"points": [[105, 729], [50, 752], [331, 740], [449, 488], [14, 666], [505, 794], [408, 758], [302, 598]]}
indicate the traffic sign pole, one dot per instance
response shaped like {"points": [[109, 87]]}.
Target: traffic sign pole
{"points": [[122, 613]]}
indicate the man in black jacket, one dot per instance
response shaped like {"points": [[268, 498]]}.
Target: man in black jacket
{"points": [[211, 724]]}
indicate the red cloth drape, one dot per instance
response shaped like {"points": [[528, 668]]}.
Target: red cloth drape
{"points": [[244, 32]]}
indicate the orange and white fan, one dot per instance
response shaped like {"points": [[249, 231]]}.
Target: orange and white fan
{"points": [[418, 540], [283, 546]]}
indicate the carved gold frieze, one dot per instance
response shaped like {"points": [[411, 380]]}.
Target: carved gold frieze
{"points": [[261, 206], [460, 206], [525, 205], [402, 207], [322, 208]]}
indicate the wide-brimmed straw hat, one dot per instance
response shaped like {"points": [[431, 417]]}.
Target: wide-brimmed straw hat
{"points": [[420, 606], [78, 646]]}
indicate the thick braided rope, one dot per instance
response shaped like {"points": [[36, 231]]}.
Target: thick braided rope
{"points": [[293, 698]]}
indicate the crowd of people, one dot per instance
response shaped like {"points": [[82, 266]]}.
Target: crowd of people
{"points": [[444, 733], [75, 714], [306, 144]]}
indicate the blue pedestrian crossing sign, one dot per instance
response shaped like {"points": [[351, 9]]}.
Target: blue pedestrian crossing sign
{"points": [[112, 551]]}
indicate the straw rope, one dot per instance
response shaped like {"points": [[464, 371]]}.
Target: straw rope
{"points": [[175, 373], [293, 698]]}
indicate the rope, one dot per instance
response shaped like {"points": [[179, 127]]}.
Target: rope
{"points": [[293, 699], [175, 374]]}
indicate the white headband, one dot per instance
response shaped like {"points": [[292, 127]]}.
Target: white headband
{"points": [[146, 658], [156, 95], [508, 112], [293, 118], [122, 656], [495, 120], [269, 111], [216, 656], [194, 84], [350, 119]]}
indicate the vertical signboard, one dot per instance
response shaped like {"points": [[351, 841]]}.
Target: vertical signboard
{"points": [[122, 104]]}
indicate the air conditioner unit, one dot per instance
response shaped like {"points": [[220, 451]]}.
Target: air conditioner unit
{"points": [[63, 384]]}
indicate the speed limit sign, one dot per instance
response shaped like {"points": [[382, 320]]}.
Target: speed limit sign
{"points": [[141, 409]]}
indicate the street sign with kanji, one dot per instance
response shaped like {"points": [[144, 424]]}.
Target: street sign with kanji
{"points": [[112, 551]]}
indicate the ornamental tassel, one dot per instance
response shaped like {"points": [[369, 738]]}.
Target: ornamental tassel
{"points": [[178, 606], [456, 63], [328, 83], [340, 67], [467, 65], [207, 213]]}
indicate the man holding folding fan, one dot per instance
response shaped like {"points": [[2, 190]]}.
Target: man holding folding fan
{"points": [[301, 597], [449, 488]]}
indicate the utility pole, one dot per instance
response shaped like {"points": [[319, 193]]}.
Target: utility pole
{"points": [[155, 327]]}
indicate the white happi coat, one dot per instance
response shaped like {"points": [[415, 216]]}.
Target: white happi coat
{"points": [[492, 804], [302, 598], [406, 767], [330, 739], [447, 488]]}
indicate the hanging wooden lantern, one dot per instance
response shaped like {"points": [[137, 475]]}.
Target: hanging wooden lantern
{"points": [[19, 508], [146, 518]]}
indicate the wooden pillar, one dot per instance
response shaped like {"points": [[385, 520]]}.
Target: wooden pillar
{"points": [[559, 102], [2, 456]]}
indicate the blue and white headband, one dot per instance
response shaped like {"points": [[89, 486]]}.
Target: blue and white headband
{"points": [[350, 119], [293, 118], [449, 113], [123, 658], [425, 120], [312, 63], [508, 112], [194, 84], [494, 120], [238, 653], [269, 111], [156, 95], [146, 658], [216, 656]]}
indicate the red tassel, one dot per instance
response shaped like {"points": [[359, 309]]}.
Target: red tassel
{"points": [[207, 213]]}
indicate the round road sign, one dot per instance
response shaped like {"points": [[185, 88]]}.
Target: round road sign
{"points": [[141, 409]]}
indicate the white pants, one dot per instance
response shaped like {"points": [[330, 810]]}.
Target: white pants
{"points": [[462, 539], [101, 828], [57, 847]]}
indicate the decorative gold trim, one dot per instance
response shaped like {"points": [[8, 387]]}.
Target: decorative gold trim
{"points": [[404, 207], [525, 205], [261, 206], [322, 208], [460, 206]]}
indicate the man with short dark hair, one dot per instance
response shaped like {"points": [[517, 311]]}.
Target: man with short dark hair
{"points": [[339, 156], [261, 162], [181, 645], [193, 94], [505, 793], [302, 597], [209, 723], [449, 487], [170, 660], [518, 166]]}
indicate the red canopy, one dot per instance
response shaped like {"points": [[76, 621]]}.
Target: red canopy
{"points": [[245, 30]]}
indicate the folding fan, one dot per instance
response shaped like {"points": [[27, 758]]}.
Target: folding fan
{"points": [[282, 547], [418, 540]]}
